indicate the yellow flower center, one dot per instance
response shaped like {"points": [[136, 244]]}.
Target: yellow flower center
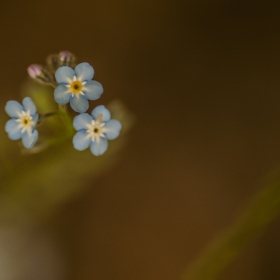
{"points": [[95, 129], [76, 87], [25, 121]]}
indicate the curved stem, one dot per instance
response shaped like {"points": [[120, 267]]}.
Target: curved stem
{"points": [[263, 209], [42, 117], [66, 118]]}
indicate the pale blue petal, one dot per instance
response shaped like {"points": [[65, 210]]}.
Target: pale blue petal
{"points": [[63, 74], [28, 105], [112, 129], [99, 148], [61, 96], [84, 71], [79, 105], [13, 108], [81, 120], [92, 90], [28, 140], [35, 119], [81, 141], [13, 130], [101, 109]]}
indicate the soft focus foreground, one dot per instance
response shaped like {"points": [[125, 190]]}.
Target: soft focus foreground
{"points": [[202, 80], [35, 182]]}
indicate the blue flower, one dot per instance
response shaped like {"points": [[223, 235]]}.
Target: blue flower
{"points": [[76, 86], [94, 130], [23, 122]]}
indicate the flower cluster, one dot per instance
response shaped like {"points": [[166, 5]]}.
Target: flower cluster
{"points": [[72, 84]]}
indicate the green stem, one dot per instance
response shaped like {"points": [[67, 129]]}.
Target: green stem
{"points": [[69, 130], [263, 209], [66, 119], [42, 117]]}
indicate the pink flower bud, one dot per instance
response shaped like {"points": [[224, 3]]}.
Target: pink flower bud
{"points": [[65, 56], [34, 70]]}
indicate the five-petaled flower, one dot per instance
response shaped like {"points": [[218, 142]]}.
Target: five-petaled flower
{"points": [[23, 122], [94, 130], [76, 86]]}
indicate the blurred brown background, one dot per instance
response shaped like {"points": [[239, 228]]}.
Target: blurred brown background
{"points": [[203, 81]]}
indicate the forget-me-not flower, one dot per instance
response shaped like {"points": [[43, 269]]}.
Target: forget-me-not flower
{"points": [[76, 86], [23, 122], [94, 130]]}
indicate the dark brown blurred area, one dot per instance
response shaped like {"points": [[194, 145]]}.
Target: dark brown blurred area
{"points": [[203, 81]]}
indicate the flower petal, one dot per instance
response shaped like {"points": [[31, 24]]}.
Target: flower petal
{"points": [[101, 109], [13, 129], [84, 71], [13, 108], [81, 120], [79, 105], [35, 119], [92, 90], [99, 148], [28, 140], [63, 74], [28, 105], [112, 129], [61, 96], [81, 141]]}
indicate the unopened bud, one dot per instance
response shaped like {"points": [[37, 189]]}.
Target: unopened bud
{"points": [[65, 55], [53, 62], [34, 70], [66, 59], [40, 74]]}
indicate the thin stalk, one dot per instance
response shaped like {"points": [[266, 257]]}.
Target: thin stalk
{"points": [[263, 209], [66, 119]]}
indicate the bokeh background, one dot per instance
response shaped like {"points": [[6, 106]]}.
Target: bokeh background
{"points": [[202, 79]]}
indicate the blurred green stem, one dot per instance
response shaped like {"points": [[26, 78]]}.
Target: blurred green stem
{"points": [[69, 130], [66, 118], [263, 209]]}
